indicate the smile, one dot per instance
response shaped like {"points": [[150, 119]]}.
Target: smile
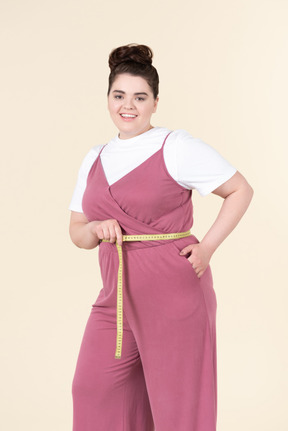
{"points": [[128, 115]]}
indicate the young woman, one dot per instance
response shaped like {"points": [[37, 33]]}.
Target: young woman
{"points": [[157, 295]]}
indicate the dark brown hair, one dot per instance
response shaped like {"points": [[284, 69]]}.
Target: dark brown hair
{"points": [[136, 60]]}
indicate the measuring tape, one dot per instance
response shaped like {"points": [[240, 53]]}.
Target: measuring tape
{"points": [[148, 237]]}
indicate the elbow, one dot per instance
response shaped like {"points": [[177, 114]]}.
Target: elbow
{"points": [[248, 192], [75, 242], [245, 190], [246, 187], [74, 237]]}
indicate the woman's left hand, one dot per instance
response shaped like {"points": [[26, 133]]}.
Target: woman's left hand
{"points": [[199, 258]]}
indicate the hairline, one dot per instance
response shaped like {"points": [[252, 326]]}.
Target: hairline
{"points": [[134, 74]]}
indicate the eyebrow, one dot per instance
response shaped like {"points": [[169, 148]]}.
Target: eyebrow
{"points": [[135, 94]]}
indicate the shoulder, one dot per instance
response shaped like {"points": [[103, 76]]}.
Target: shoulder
{"points": [[187, 148], [181, 135], [180, 141], [184, 142], [92, 153], [187, 137], [89, 159]]}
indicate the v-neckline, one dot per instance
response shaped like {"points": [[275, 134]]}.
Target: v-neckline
{"points": [[128, 173]]}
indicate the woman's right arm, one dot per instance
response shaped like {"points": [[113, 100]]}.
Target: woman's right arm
{"points": [[85, 234]]}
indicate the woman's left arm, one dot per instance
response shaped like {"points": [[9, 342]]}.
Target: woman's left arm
{"points": [[237, 195]]}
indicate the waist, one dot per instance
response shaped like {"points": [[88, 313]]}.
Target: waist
{"points": [[156, 239], [152, 237]]}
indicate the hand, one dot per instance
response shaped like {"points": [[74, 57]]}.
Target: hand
{"points": [[199, 258], [107, 229]]}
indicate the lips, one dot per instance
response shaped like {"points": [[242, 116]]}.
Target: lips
{"points": [[128, 115]]}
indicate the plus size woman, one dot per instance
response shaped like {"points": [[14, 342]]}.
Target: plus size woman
{"points": [[157, 306]]}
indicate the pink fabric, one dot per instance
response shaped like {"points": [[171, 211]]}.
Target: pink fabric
{"points": [[166, 379]]}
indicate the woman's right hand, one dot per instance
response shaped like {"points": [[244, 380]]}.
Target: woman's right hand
{"points": [[85, 234], [107, 229]]}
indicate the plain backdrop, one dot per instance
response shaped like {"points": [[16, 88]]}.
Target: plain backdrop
{"points": [[223, 77]]}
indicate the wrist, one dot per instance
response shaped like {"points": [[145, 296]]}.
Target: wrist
{"points": [[91, 228], [209, 247]]}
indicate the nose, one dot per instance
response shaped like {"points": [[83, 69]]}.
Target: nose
{"points": [[128, 104]]}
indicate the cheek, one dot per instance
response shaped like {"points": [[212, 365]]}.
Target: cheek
{"points": [[144, 110], [148, 111], [113, 108], [113, 105]]}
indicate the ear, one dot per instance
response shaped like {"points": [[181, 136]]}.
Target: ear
{"points": [[156, 104]]}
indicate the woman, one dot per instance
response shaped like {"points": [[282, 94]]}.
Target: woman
{"points": [[140, 183]]}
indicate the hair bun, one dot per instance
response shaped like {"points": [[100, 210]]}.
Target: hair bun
{"points": [[131, 53]]}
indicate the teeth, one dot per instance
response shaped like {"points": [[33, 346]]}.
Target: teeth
{"points": [[128, 115]]}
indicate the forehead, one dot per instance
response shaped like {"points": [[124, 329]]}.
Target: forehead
{"points": [[130, 84]]}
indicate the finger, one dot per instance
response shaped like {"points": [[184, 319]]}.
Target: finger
{"points": [[106, 234], [184, 250], [196, 269], [112, 234], [201, 273], [187, 249], [100, 233], [118, 234], [193, 265], [191, 260]]}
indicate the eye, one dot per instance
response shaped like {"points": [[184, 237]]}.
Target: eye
{"points": [[118, 96], [140, 98]]}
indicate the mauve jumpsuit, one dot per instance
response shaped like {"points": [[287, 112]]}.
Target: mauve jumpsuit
{"points": [[166, 379]]}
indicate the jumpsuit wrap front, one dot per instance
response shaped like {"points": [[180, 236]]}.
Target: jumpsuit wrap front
{"points": [[166, 379]]}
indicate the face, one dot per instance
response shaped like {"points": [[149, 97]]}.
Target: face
{"points": [[131, 105]]}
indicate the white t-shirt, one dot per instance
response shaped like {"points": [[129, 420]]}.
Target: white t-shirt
{"points": [[191, 162]]}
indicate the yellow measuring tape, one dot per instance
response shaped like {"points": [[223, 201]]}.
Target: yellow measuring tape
{"points": [[119, 282]]}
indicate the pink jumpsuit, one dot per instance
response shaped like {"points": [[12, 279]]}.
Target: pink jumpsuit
{"points": [[166, 379]]}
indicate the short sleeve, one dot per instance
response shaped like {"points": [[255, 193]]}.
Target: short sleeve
{"points": [[89, 159], [199, 166]]}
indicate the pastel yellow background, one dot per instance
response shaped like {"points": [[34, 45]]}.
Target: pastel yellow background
{"points": [[223, 77]]}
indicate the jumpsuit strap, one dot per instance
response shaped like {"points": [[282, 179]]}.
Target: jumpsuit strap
{"points": [[166, 139]]}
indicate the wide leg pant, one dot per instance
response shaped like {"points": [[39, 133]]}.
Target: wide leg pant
{"points": [[166, 379]]}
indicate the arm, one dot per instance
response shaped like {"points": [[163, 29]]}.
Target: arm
{"points": [[85, 234], [237, 195]]}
